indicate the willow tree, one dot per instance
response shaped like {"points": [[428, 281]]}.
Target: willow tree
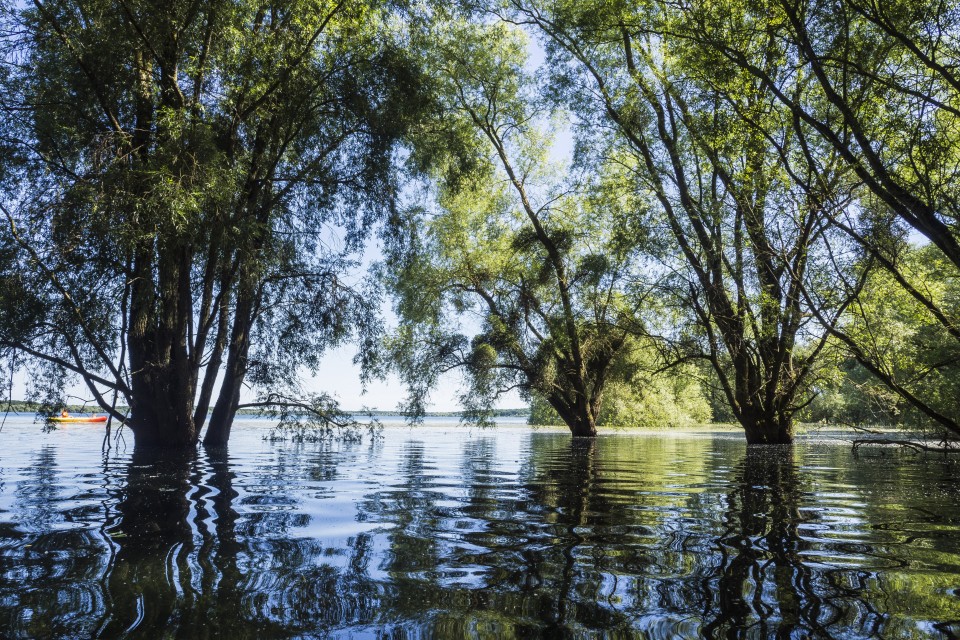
{"points": [[727, 167], [876, 81], [186, 183], [543, 264], [915, 364], [877, 84]]}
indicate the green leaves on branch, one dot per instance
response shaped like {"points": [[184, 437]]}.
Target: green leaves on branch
{"points": [[194, 187], [535, 268]]}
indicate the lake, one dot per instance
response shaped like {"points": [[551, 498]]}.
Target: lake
{"points": [[443, 531]]}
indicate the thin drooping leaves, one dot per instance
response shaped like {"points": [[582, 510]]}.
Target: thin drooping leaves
{"points": [[192, 185], [544, 268]]}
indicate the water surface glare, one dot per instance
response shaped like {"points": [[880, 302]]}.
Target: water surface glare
{"points": [[450, 532]]}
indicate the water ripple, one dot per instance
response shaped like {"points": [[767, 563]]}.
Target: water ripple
{"points": [[452, 532]]}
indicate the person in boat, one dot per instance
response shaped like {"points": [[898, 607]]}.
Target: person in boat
{"points": [[64, 413]]}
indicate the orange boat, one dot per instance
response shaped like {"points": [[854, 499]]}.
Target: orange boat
{"points": [[77, 419]]}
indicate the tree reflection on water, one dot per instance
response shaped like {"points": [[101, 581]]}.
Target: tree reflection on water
{"points": [[762, 584], [576, 539], [173, 569]]}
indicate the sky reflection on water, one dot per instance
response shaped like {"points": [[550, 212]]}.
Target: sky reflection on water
{"points": [[449, 532]]}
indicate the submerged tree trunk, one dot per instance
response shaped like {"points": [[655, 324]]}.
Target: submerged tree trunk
{"points": [[161, 417], [225, 410], [162, 374], [580, 416], [585, 428], [767, 429], [761, 404]]}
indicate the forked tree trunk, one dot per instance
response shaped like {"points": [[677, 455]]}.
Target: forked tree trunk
{"points": [[766, 428], [581, 418], [162, 375]]}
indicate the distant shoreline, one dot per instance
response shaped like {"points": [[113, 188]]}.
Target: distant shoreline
{"points": [[22, 406], [497, 413]]}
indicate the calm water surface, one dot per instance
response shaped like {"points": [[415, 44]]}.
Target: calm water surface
{"points": [[450, 532]]}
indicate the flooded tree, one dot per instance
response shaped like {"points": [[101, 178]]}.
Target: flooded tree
{"points": [[186, 186], [545, 262], [871, 81], [726, 166]]}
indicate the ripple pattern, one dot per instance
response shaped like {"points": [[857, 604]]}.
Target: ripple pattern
{"points": [[450, 532]]}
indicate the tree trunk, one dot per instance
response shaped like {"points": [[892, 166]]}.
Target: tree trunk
{"points": [[213, 367], [159, 418], [161, 400], [161, 411], [225, 409], [761, 428], [579, 419], [583, 428]]}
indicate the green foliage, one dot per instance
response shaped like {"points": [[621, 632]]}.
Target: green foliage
{"points": [[639, 394], [664, 401], [193, 187], [897, 333], [537, 255]]}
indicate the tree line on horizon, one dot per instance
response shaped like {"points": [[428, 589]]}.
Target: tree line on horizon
{"points": [[755, 219]]}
